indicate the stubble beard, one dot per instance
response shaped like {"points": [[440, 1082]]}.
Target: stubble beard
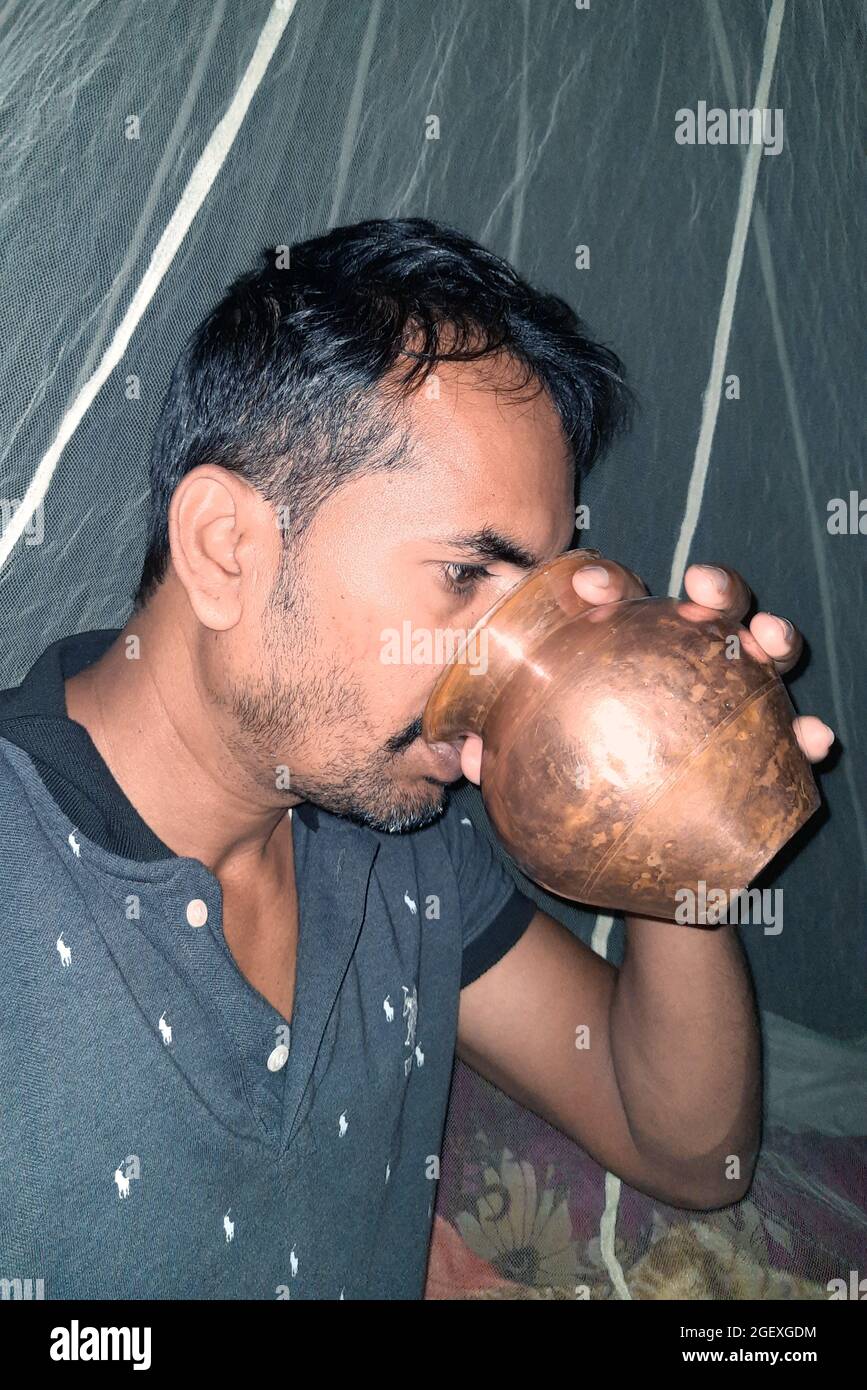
{"points": [[314, 704]]}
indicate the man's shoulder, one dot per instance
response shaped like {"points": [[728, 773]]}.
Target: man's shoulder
{"points": [[21, 788], [12, 776]]}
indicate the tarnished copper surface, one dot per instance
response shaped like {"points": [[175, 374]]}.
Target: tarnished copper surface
{"points": [[630, 750]]}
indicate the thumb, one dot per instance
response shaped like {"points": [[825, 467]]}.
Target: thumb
{"points": [[471, 758]]}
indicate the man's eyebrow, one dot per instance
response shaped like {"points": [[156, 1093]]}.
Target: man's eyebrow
{"points": [[488, 544]]}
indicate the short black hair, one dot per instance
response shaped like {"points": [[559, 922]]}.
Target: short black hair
{"points": [[285, 381]]}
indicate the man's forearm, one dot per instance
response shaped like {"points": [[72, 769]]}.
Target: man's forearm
{"points": [[686, 1049]]}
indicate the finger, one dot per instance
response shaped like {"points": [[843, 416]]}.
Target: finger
{"points": [[716, 586], [779, 639], [814, 737], [471, 758], [607, 582]]}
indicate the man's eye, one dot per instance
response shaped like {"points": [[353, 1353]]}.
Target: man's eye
{"points": [[462, 579]]}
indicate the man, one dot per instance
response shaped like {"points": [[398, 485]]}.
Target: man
{"points": [[228, 1031]]}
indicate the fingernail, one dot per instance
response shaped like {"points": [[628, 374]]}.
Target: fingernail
{"points": [[597, 575], [786, 627], [719, 577], [830, 733]]}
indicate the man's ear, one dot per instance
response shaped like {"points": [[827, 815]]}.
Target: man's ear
{"points": [[216, 524]]}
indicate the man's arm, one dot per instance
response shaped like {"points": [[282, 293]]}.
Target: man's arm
{"points": [[654, 1069]]}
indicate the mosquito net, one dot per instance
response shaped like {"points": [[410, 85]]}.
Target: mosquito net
{"points": [[150, 150]]}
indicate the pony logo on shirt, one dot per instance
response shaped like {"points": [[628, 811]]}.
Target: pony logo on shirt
{"points": [[228, 1227], [64, 951], [283, 1290], [165, 1029], [130, 1168], [73, 844]]}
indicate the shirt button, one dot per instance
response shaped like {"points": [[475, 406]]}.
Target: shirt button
{"points": [[279, 1057], [197, 912]]}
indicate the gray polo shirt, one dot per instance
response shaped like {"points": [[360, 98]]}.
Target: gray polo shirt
{"points": [[165, 1133]]}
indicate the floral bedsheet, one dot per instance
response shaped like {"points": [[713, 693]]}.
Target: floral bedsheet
{"points": [[523, 1212]]}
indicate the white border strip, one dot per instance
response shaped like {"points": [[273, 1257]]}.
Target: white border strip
{"points": [[711, 398], [607, 1233], [199, 184]]}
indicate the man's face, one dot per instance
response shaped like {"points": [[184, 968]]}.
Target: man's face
{"points": [[333, 689]]}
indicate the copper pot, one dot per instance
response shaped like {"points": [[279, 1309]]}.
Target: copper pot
{"points": [[630, 750]]}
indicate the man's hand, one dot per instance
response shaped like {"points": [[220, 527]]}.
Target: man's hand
{"points": [[712, 587]]}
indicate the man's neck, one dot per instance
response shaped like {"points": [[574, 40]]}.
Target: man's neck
{"points": [[141, 704]]}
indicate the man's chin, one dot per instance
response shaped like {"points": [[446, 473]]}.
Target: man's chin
{"points": [[403, 817]]}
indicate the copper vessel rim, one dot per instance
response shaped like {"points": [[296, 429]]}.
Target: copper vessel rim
{"points": [[453, 671]]}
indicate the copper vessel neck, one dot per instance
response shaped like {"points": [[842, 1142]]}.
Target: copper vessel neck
{"points": [[501, 643]]}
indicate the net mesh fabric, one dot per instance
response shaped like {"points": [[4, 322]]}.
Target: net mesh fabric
{"points": [[149, 152]]}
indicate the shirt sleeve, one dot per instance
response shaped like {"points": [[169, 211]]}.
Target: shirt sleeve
{"points": [[494, 912]]}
